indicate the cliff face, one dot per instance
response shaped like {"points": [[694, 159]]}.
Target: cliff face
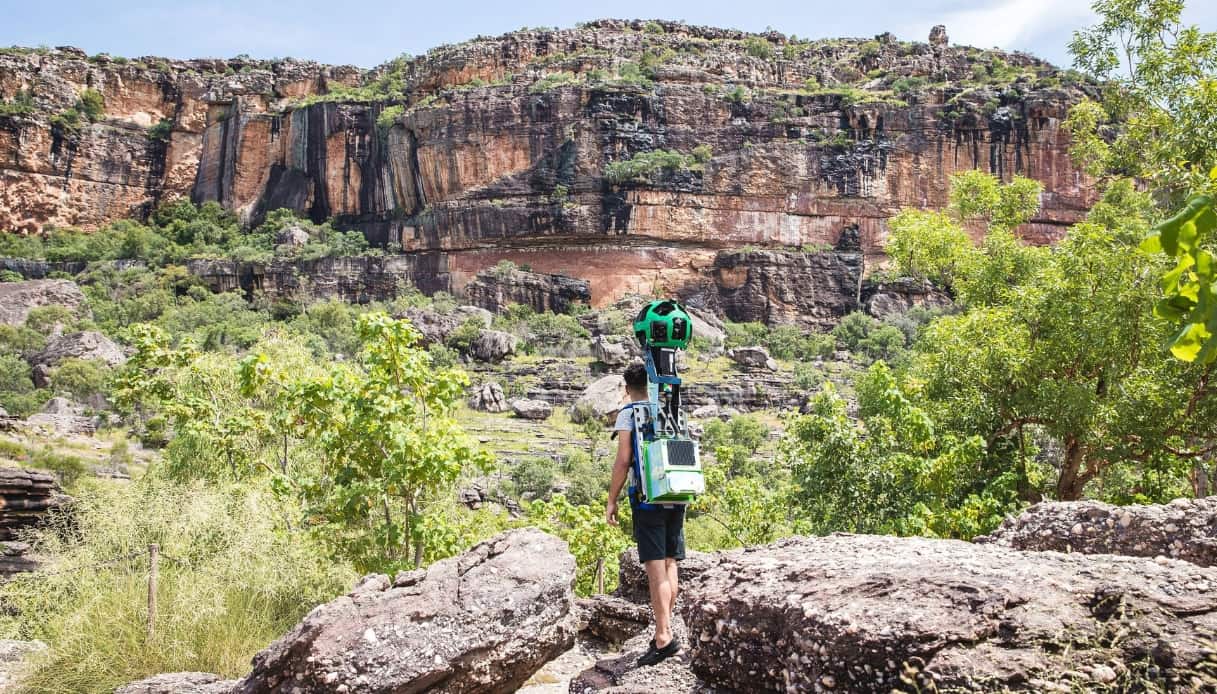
{"points": [[520, 147]]}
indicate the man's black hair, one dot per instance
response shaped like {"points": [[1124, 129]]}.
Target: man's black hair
{"points": [[636, 376]]}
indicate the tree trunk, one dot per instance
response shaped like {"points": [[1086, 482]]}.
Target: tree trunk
{"points": [[1200, 479], [1069, 486]]}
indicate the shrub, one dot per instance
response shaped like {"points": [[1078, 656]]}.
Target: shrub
{"points": [[643, 165], [534, 478], [388, 117], [67, 121], [869, 49], [92, 105], [68, 468], [552, 81], [463, 337], [652, 27], [81, 379], [10, 276], [758, 47], [22, 104], [161, 131]]}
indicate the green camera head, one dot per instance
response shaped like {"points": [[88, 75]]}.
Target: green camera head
{"points": [[663, 323]]}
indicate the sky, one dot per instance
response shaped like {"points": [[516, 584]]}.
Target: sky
{"points": [[370, 32]]}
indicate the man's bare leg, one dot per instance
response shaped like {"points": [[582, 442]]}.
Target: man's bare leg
{"points": [[670, 565], [661, 600]]}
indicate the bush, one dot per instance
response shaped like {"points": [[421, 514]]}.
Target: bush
{"points": [[68, 468], [231, 580], [553, 81], [652, 27], [861, 334], [758, 47], [92, 105], [643, 165], [463, 337], [17, 393], [81, 379], [534, 478], [162, 131], [22, 104]]}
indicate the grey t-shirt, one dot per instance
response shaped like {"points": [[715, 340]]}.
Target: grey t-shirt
{"points": [[625, 416]]}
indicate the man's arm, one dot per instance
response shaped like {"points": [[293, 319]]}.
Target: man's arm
{"points": [[621, 468]]}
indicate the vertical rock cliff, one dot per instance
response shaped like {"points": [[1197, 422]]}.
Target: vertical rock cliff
{"points": [[625, 154]]}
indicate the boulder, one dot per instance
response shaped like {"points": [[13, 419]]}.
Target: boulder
{"points": [[707, 326], [493, 346], [180, 683], [611, 352], [938, 36], [613, 619], [17, 298], [89, 344], [293, 237], [705, 412], [531, 409], [895, 298], [435, 326], [499, 287], [14, 659], [811, 290], [601, 399], [26, 498], [482, 621], [62, 416], [857, 613], [489, 397], [755, 357], [1183, 529], [632, 578]]}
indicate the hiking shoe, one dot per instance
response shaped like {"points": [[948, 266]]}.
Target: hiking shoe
{"points": [[656, 655]]}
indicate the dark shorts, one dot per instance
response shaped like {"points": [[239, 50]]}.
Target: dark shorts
{"points": [[660, 533]]}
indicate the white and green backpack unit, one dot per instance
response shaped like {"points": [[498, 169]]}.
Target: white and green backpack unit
{"points": [[667, 468]]}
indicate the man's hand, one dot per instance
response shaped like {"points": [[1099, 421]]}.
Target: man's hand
{"points": [[610, 512]]}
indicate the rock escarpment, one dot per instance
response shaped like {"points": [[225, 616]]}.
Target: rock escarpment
{"points": [[1183, 529], [531, 147]]}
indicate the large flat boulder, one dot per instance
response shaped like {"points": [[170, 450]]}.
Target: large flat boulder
{"points": [[17, 298], [599, 400], [484, 621], [855, 613], [1183, 529], [88, 344]]}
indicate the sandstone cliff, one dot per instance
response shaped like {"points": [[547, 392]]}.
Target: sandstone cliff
{"points": [[533, 146]]}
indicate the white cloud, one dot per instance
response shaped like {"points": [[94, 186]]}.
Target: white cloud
{"points": [[1010, 23]]}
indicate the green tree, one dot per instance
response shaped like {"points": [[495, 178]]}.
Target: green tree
{"points": [[595, 544], [1157, 119], [389, 442]]}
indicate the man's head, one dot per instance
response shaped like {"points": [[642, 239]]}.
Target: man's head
{"points": [[636, 381]]}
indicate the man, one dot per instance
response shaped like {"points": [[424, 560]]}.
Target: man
{"points": [[659, 530]]}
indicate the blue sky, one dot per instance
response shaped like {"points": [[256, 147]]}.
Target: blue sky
{"points": [[371, 31]]}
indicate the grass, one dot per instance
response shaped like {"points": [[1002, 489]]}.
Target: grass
{"points": [[232, 580]]}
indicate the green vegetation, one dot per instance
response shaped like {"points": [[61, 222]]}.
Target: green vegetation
{"points": [[642, 167], [552, 81], [161, 131], [1159, 76], [1187, 238], [758, 47], [179, 231], [22, 104], [232, 579], [388, 117]]}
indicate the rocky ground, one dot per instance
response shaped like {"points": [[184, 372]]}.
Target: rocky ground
{"points": [[840, 613]]}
